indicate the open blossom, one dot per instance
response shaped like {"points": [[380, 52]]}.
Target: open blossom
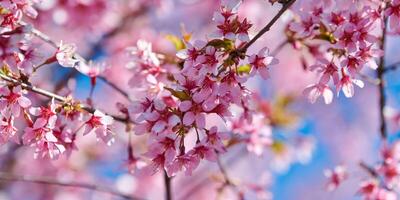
{"points": [[393, 12], [305, 27], [8, 130], [335, 177], [184, 162], [193, 114], [370, 189], [40, 135], [348, 36], [28, 59], [91, 69], [228, 23], [261, 62], [100, 124], [314, 91], [65, 55], [328, 69], [13, 101], [346, 85], [45, 114]]}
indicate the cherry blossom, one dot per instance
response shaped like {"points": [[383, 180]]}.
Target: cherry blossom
{"points": [[13, 101], [65, 55], [261, 62], [336, 177], [100, 124]]}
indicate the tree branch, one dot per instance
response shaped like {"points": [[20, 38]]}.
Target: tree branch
{"points": [[224, 173], [391, 67], [371, 171], [167, 184], [48, 40], [268, 26], [51, 181], [381, 86]]}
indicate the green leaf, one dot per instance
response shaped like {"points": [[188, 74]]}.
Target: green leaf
{"points": [[5, 70], [3, 11], [181, 95], [219, 44], [176, 41], [244, 69]]}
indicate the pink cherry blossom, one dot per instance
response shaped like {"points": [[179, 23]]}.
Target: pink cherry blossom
{"points": [[315, 91], [13, 101], [260, 62], [100, 124], [393, 12], [65, 55], [336, 177]]}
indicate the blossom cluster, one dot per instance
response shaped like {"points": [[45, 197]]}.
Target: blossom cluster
{"points": [[342, 38], [383, 180], [51, 129], [179, 103], [204, 82]]}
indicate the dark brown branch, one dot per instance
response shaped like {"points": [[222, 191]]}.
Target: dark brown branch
{"points": [[52, 181], [381, 86], [371, 171], [391, 67], [167, 184], [224, 173], [268, 26]]}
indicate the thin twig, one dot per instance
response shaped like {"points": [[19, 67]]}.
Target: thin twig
{"points": [[369, 169], [369, 79], [167, 184], [51, 181], [48, 40], [224, 173], [391, 67], [268, 26], [381, 86]]}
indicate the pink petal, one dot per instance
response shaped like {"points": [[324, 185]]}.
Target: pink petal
{"points": [[188, 118]]}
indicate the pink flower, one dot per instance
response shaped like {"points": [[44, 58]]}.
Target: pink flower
{"points": [[260, 62], [347, 37], [335, 176], [346, 84], [186, 162], [41, 136], [314, 91], [91, 69], [46, 114], [65, 55], [203, 151], [12, 101], [393, 12], [193, 113], [208, 60], [328, 69], [371, 191], [214, 139], [99, 123], [8, 131], [305, 27], [31, 58]]}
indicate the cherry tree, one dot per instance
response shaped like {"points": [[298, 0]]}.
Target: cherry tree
{"points": [[152, 99]]}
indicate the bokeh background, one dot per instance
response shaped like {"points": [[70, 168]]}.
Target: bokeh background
{"points": [[344, 132]]}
